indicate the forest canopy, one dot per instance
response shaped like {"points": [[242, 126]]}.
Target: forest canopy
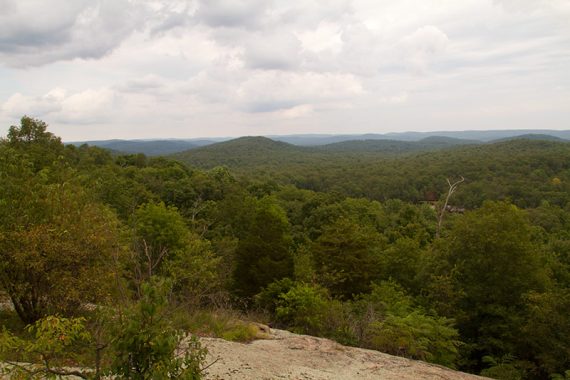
{"points": [[344, 248]]}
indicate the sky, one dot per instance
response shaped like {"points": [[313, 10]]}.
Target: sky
{"points": [[102, 69]]}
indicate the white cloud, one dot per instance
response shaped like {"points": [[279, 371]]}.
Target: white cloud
{"points": [[559, 6], [422, 45], [296, 112], [18, 105], [394, 99], [84, 107], [280, 51], [87, 107], [327, 36], [236, 13], [273, 90], [133, 68], [65, 30]]}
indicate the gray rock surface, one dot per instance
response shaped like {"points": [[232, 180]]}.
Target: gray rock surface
{"points": [[290, 356]]}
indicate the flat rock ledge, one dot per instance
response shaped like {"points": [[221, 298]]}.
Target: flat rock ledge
{"points": [[284, 355]]}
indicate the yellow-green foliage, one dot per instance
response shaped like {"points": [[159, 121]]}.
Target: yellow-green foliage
{"points": [[224, 324], [51, 341]]}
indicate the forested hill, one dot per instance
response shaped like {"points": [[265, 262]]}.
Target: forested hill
{"points": [[177, 249], [262, 151], [250, 151], [521, 170], [533, 136], [388, 147], [480, 135], [388, 143], [148, 147]]}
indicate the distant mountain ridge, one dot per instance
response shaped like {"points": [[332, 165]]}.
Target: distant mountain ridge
{"points": [[393, 142], [396, 146], [262, 152], [482, 136], [148, 147], [533, 136], [249, 150]]}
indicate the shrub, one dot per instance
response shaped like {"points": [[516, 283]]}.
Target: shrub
{"points": [[222, 323], [146, 344], [51, 339], [394, 325], [303, 309]]}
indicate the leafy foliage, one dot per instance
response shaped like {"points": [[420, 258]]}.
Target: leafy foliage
{"points": [[303, 308], [57, 243], [52, 339], [145, 345], [262, 254], [333, 242]]}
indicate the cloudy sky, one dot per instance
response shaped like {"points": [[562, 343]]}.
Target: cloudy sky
{"points": [[99, 69]]}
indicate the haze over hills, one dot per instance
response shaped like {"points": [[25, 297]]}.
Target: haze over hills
{"points": [[482, 136], [396, 146], [243, 151], [491, 171], [533, 136], [263, 151], [148, 147], [390, 142]]}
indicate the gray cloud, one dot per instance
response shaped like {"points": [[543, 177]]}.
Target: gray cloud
{"points": [[276, 52], [232, 14], [271, 106], [65, 30], [149, 83], [214, 67]]}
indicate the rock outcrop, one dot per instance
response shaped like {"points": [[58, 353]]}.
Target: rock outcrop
{"points": [[285, 355]]}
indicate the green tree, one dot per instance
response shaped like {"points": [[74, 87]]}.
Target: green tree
{"points": [[58, 251], [347, 257], [195, 272], [52, 338], [392, 323], [145, 343], [498, 261], [303, 308], [400, 262], [165, 246], [58, 245], [546, 330], [32, 139], [263, 254], [160, 233]]}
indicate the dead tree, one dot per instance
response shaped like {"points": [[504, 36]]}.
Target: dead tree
{"points": [[452, 188]]}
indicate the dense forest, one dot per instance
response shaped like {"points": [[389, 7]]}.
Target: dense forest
{"points": [[525, 172], [109, 260]]}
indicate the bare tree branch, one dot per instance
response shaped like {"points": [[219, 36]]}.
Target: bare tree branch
{"points": [[452, 189]]}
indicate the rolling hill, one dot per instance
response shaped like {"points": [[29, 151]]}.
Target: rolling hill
{"points": [[390, 143], [148, 147], [525, 171], [481, 136], [252, 152], [247, 151], [396, 146]]}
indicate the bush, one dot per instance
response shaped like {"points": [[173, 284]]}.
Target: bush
{"points": [[146, 344], [505, 368], [51, 340], [268, 298], [393, 325], [224, 324], [303, 309]]}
